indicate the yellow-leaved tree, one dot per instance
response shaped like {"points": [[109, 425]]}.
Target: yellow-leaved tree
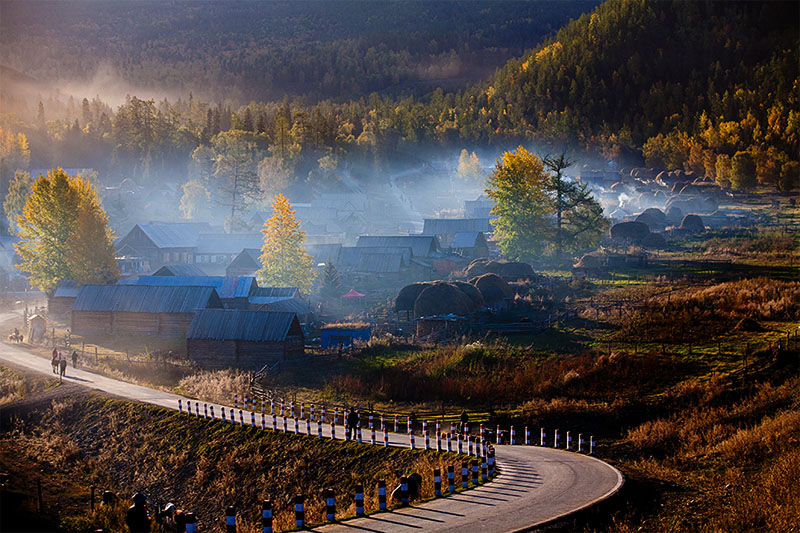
{"points": [[64, 234], [285, 262]]}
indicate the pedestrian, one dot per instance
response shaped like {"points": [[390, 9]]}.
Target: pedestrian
{"points": [[167, 519], [352, 422], [137, 518], [54, 361], [74, 359], [464, 421], [63, 365]]}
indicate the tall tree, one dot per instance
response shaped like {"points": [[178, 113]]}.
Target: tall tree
{"points": [[331, 284], [195, 201], [469, 167], [235, 154], [14, 155], [285, 262], [18, 191], [64, 234]]}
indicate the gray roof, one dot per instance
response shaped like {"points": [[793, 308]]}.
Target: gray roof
{"points": [[469, 239], [180, 270], [350, 256], [228, 243], [421, 245], [145, 298], [322, 253], [451, 226], [226, 286], [236, 324], [289, 305], [276, 292], [66, 288], [183, 235], [380, 263]]}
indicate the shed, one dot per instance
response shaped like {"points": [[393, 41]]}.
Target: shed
{"points": [[246, 263], [233, 291], [471, 244], [37, 328], [160, 311], [222, 338], [334, 335], [63, 298], [446, 228]]}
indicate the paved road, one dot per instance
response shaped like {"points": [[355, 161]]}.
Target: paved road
{"points": [[536, 484]]}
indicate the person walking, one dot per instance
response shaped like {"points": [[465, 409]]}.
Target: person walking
{"points": [[136, 518], [464, 422], [63, 366], [74, 359], [352, 422], [54, 361]]}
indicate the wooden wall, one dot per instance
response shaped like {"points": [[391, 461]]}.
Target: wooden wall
{"points": [[242, 354], [124, 323]]}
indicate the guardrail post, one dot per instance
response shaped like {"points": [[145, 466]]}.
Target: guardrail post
{"points": [[274, 422], [451, 479], [359, 499], [555, 439], [411, 438], [333, 429], [319, 428], [312, 412], [385, 436], [308, 427], [223, 415], [253, 418], [591, 445], [266, 516], [299, 511], [438, 436], [235, 401], [180, 406], [241, 418], [205, 410], [285, 425], [296, 426], [330, 505], [191, 522], [211, 409], [404, 490], [336, 414], [263, 405], [527, 436], [382, 494], [283, 405], [474, 466], [464, 475], [543, 437], [263, 421], [230, 519], [437, 482], [484, 475], [580, 442], [513, 437], [245, 403], [302, 411], [491, 463], [449, 442], [372, 438], [427, 437], [322, 413], [460, 443], [569, 440], [291, 408]]}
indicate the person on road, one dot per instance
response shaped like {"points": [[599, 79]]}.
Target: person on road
{"points": [[74, 359], [63, 366], [137, 518], [464, 422], [352, 422]]}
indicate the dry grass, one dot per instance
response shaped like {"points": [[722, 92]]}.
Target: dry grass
{"points": [[15, 385], [216, 386]]}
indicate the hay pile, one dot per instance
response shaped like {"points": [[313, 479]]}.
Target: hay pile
{"points": [[590, 261], [493, 288], [442, 299], [508, 270], [408, 295], [471, 291], [653, 217], [629, 231], [692, 223], [655, 240]]}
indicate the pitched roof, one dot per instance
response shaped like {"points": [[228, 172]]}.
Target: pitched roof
{"points": [[276, 292], [322, 253], [468, 239], [237, 324], [289, 305], [450, 226], [380, 263], [226, 286], [180, 270], [66, 288], [145, 298], [228, 243], [421, 245], [350, 256], [179, 235]]}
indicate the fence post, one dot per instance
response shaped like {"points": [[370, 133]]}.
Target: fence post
{"points": [[569, 440], [382, 494], [555, 439], [464, 475], [451, 479], [359, 499], [330, 505], [266, 516], [230, 519], [475, 472], [299, 511], [543, 436], [437, 482]]}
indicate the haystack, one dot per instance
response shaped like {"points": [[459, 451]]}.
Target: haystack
{"points": [[692, 223], [653, 217], [590, 262], [477, 267], [493, 288], [632, 231], [674, 215], [655, 240], [408, 295], [509, 270], [443, 299], [471, 291]]}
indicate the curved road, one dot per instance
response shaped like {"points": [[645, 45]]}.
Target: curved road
{"points": [[535, 485]]}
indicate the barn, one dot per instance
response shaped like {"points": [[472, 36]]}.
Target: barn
{"points": [[63, 298], [222, 338], [139, 309]]}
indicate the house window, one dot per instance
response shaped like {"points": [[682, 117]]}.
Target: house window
{"points": [[166, 256]]}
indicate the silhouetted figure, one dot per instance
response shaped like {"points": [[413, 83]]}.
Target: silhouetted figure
{"points": [[352, 422], [137, 518]]}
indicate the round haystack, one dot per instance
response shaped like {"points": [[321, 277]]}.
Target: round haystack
{"points": [[590, 261], [692, 223], [512, 270], [443, 299], [655, 240], [633, 231], [674, 215], [748, 324], [493, 288], [710, 204], [471, 291], [653, 217], [408, 295], [477, 267]]}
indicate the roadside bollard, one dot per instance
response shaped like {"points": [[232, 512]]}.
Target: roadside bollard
{"points": [[437, 482], [299, 511], [513, 440], [449, 442], [555, 439], [591, 445], [527, 436], [385, 436], [191, 522], [319, 428], [333, 429], [497, 435], [404, 490], [451, 479], [469, 445], [371, 421], [230, 519], [474, 466], [205, 410], [302, 411], [396, 424], [266, 516], [382, 494], [253, 418], [296, 427], [460, 444], [211, 408], [580, 442], [569, 440], [245, 403], [480, 431], [263, 405], [285, 425], [291, 408], [189, 406], [359, 499], [542, 437], [383, 421], [312, 412], [223, 415], [180, 406], [464, 475], [272, 412], [322, 414], [263, 421], [336, 414], [491, 463], [197, 409], [330, 505], [372, 435], [427, 440], [484, 475], [235, 401], [241, 418], [283, 405], [409, 426], [308, 427], [438, 437], [274, 422], [358, 434], [411, 439]]}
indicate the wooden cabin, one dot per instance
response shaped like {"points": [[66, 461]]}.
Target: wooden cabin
{"points": [[225, 338], [63, 298], [159, 311]]}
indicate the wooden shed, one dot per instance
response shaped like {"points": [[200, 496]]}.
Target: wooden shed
{"points": [[222, 338], [159, 311], [63, 298]]}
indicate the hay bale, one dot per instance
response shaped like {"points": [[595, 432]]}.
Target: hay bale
{"points": [[631, 231], [477, 267], [692, 223], [443, 299], [510, 270], [674, 215], [653, 217], [590, 262], [655, 240], [471, 291], [408, 295], [493, 288]]}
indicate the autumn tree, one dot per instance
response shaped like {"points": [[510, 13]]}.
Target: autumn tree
{"points": [[235, 154], [15, 154], [743, 171], [195, 200], [64, 234], [285, 262], [469, 168], [18, 191]]}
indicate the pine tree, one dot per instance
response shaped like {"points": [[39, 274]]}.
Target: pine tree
{"points": [[284, 260], [331, 285], [64, 234]]}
